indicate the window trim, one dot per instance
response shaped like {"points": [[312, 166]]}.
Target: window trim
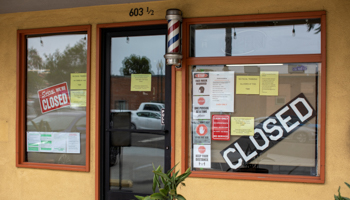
{"points": [[187, 61], [21, 97]]}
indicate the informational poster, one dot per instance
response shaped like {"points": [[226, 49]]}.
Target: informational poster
{"points": [[54, 97], [269, 83], [33, 141], [78, 81], [222, 90], [53, 142], [73, 143], [46, 142], [201, 83], [201, 132], [201, 156], [78, 98], [220, 127], [247, 84], [141, 82], [201, 105], [242, 125], [59, 142]]}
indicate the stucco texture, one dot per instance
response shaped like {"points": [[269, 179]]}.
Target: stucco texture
{"points": [[39, 184]]}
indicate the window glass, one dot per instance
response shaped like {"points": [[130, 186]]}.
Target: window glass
{"points": [[256, 38], [255, 118], [56, 98]]}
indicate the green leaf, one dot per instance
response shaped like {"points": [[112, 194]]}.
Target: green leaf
{"points": [[180, 197], [336, 198], [347, 184], [157, 196], [139, 197], [169, 172], [164, 192], [155, 183], [161, 174], [339, 193]]}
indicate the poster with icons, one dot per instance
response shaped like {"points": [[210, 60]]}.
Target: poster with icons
{"points": [[201, 156], [201, 84], [201, 131]]}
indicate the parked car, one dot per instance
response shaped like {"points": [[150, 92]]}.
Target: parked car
{"points": [[146, 120], [151, 106]]}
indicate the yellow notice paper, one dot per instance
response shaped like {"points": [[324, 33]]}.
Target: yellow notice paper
{"points": [[242, 125], [78, 98], [78, 81], [141, 82], [247, 85], [269, 83]]}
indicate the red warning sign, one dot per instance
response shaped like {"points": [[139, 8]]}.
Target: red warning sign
{"points": [[54, 97], [220, 129], [201, 101], [201, 149], [201, 129]]}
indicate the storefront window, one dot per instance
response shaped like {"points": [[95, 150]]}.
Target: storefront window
{"points": [[255, 118], [56, 98], [258, 108]]}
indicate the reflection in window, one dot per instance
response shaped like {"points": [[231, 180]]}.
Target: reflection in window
{"points": [[56, 98], [256, 38]]}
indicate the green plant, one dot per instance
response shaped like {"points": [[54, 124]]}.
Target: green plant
{"points": [[339, 197], [169, 181]]}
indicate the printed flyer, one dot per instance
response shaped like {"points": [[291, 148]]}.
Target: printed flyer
{"points": [[269, 83], [201, 84], [53, 142], [141, 82], [78, 81], [201, 107], [222, 90], [201, 156], [247, 84], [242, 126]]}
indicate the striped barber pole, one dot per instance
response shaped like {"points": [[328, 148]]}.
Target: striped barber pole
{"points": [[173, 36], [173, 55]]}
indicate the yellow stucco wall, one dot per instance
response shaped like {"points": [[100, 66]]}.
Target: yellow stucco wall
{"points": [[21, 183]]}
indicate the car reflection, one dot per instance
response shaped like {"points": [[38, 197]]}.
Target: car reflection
{"points": [[150, 120], [303, 134]]}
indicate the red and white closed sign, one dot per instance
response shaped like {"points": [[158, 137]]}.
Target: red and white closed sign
{"points": [[54, 97]]}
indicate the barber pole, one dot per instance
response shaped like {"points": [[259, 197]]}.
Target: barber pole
{"points": [[173, 56], [173, 36]]}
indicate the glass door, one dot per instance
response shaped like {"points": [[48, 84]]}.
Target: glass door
{"points": [[135, 109]]}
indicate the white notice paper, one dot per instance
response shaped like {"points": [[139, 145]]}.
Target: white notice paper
{"points": [[33, 141], [201, 156], [59, 142], [201, 83], [53, 142], [73, 143], [222, 90], [201, 107]]}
